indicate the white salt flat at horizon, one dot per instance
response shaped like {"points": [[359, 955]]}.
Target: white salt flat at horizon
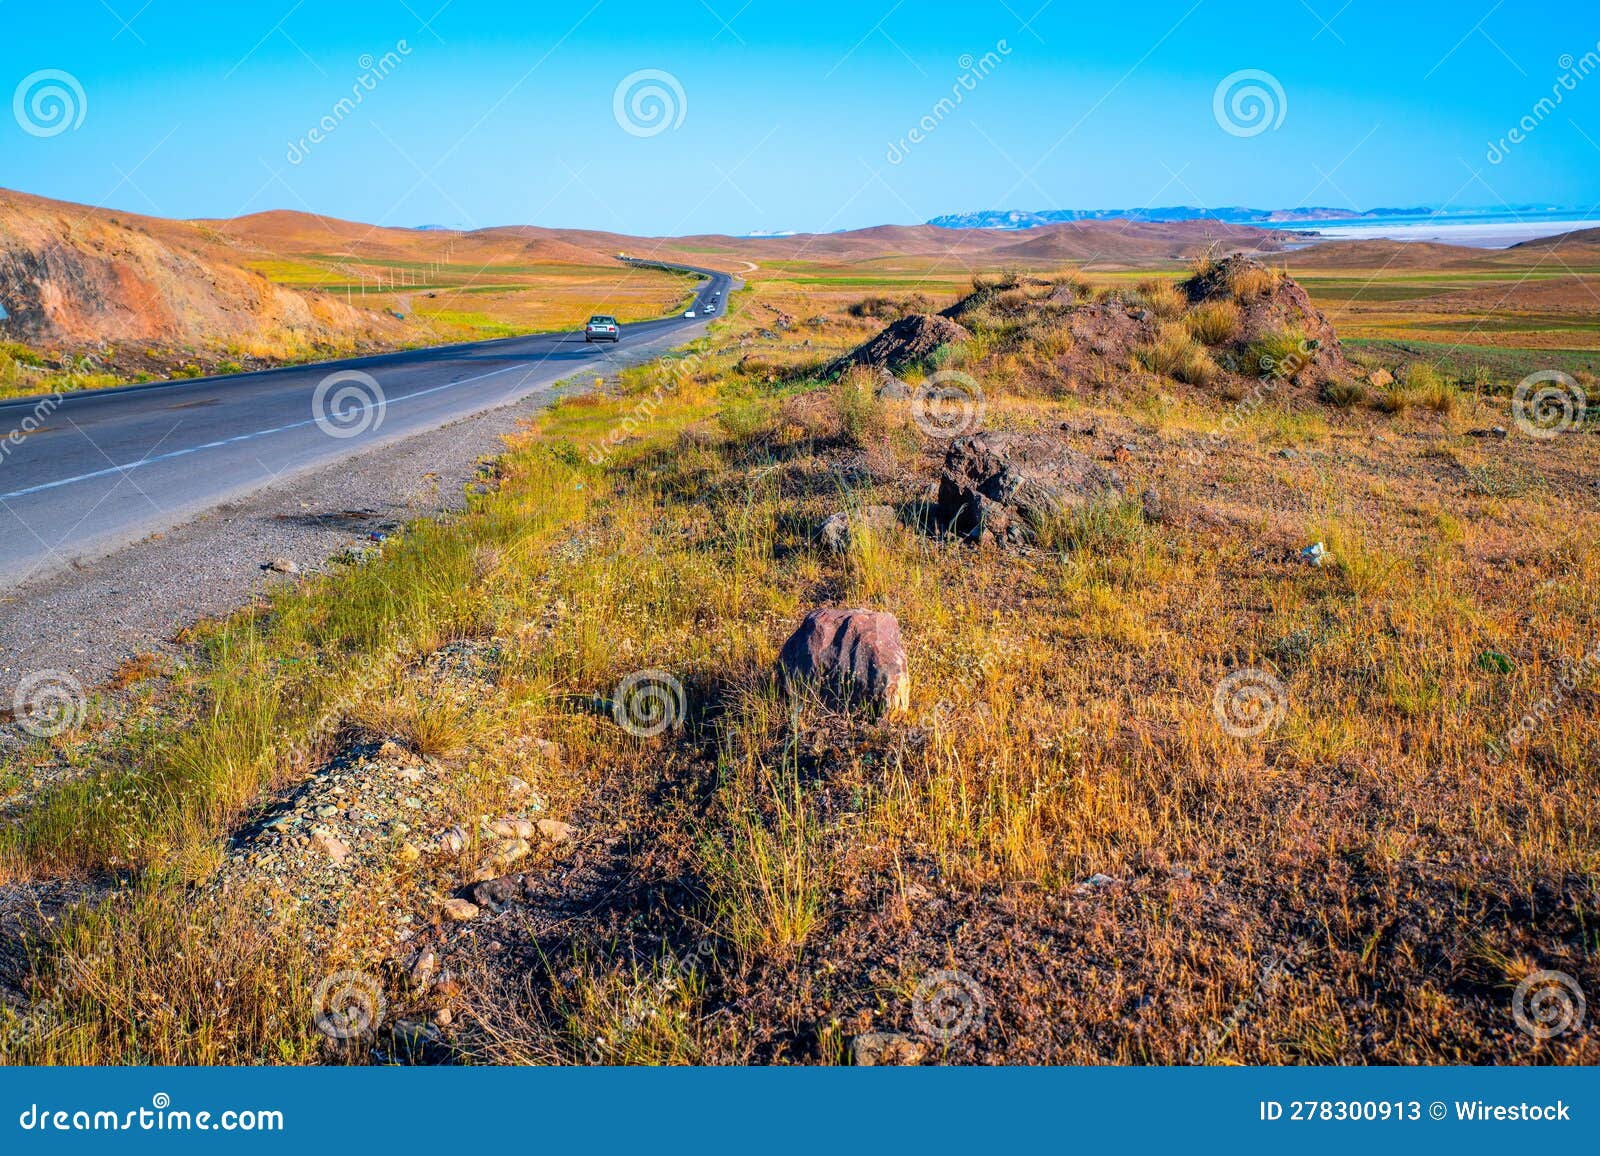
{"points": [[1478, 234]]}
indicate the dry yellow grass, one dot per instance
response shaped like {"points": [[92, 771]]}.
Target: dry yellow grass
{"points": [[1368, 850]]}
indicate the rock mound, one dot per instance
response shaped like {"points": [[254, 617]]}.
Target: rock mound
{"points": [[1271, 303], [1003, 486], [909, 341]]}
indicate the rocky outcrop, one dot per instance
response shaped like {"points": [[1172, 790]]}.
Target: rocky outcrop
{"points": [[909, 341], [1003, 486], [853, 658], [1271, 302]]}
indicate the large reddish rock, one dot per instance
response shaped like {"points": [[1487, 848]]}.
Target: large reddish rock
{"points": [[1001, 487], [854, 657]]}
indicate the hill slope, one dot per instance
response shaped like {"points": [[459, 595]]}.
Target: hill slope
{"points": [[78, 277]]}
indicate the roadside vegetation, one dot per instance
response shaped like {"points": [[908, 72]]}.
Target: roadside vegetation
{"points": [[1061, 821]]}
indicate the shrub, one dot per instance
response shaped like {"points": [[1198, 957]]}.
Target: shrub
{"points": [[1284, 352], [1074, 284], [1344, 392], [1430, 388], [862, 420], [1164, 298], [1246, 281], [1175, 354], [1213, 322]]}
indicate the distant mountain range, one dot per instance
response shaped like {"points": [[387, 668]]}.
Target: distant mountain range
{"points": [[1231, 215]]}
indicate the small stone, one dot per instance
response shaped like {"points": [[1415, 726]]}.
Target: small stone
{"points": [[497, 892], [885, 1049], [282, 566], [330, 845], [511, 828], [453, 840], [835, 532], [424, 967], [459, 910], [327, 811], [893, 389], [516, 787], [1379, 378], [555, 830], [512, 852]]}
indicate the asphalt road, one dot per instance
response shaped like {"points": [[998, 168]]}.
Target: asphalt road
{"points": [[109, 467]]}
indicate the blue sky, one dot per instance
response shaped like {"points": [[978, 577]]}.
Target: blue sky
{"points": [[793, 116]]}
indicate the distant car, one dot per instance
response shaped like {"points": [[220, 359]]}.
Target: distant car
{"points": [[688, 312], [602, 328], [711, 308]]}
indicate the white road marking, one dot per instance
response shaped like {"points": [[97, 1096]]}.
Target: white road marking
{"points": [[245, 437]]}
